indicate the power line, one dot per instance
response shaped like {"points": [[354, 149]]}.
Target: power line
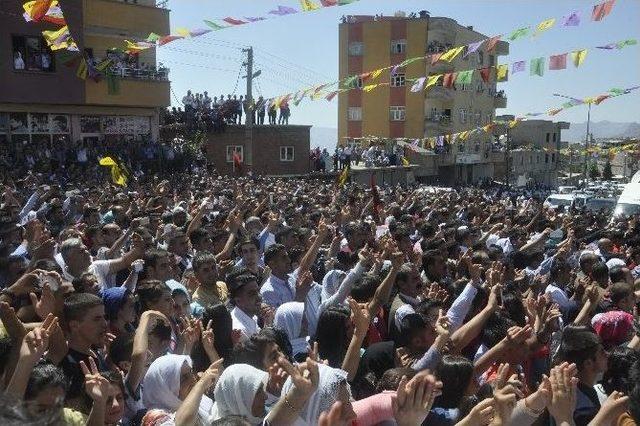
{"points": [[281, 59]]}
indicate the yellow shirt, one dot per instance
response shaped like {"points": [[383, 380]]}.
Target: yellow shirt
{"points": [[207, 295]]}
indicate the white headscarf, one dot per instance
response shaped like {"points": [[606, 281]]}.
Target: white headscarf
{"points": [[235, 391], [289, 317], [161, 385], [323, 398]]}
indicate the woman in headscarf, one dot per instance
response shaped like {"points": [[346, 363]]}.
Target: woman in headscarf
{"points": [[167, 383], [120, 309], [241, 391], [292, 318], [332, 387]]}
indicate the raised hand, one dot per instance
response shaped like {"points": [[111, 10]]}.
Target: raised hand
{"points": [[95, 384], [443, 325], [359, 317], [13, 325], [564, 392], [414, 399], [305, 377], [208, 339], [303, 283], [46, 304], [277, 377], [211, 374], [480, 415], [36, 342], [190, 333], [334, 417]]}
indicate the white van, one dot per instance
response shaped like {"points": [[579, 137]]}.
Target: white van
{"points": [[629, 201], [559, 200]]}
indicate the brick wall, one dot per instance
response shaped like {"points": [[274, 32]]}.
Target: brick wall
{"points": [[264, 158]]}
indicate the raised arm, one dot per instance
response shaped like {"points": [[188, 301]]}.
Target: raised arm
{"points": [[187, 414], [361, 320], [140, 346], [384, 289]]}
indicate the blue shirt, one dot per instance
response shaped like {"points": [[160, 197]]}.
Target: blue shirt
{"points": [[276, 291]]}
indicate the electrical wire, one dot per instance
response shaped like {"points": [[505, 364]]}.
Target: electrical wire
{"points": [[279, 60]]}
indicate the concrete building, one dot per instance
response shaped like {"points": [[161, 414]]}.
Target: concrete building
{"points": [[43, 101], [534, 154], [273, 150], [392, 111]]}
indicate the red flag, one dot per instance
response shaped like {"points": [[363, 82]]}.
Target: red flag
{"points": [[329, 3], [601, 98], [449, 79], [485, 73], [168, 39], [435, 57], [237, 163], [491, 43], [600, 11], [40, 9], [558, 62], [233, 21]]}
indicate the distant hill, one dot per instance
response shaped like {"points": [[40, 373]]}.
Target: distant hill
{"points": [[324, 137], [601, 129]]}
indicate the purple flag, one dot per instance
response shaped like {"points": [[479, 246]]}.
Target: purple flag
{"points": [[259, 18], [571, 20], [198, 32], [473, 47], [283, 10], [518, 66]]}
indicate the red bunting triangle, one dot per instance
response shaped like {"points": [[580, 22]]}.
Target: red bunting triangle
{"points": [[449, 79], [485, 73], [491, 43]]}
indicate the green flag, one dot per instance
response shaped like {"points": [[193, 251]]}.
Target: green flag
{"points": [[615, 91], [464, 77], [624, 43], [214, 26], [519, 33], [350, 82], [536, 66], [153, 37]]}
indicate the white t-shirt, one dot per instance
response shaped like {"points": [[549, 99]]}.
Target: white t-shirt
{"points": [[101, 269]]}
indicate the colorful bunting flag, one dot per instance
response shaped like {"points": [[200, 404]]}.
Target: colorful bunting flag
{"points": [[624, 43], [502, 72], [577, 57], [545, 25], [343, 177], [449, 79], [308, 5], [485, 73], [153, 37], [118, 174], [518, 66], [43, 10], [37, 9], [558, 62], [376, 74], [432, 80], [60, 39], [491, 43], [536, 66], [234, 21], [331, 95], [600, 11], [436, 57], [198, 32], [418, 85], [450, 54], [214, 26], [283, 10], [184, 32], [472, 48], [82, 70], [369, 87], [571, 20], [255, 18], [519, 33], [464, 77]]}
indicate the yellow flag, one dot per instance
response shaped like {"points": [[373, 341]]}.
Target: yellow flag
{"points": [[513, 123], [463, 135], [405, 162], [589, 100], [545, 25], [369, 87], [376, 74], [184, 32], [308, 5], [450, 54], [502, 72], [117, 174], [82, 69], [578, 56], [432, 80], [342, 178]]}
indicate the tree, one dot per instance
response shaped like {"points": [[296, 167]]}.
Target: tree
{"points": [[607, 174], [594, 173]]}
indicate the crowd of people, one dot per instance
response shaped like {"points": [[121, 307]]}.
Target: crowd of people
{"points": [[375, 155], [200, 110], [220, 300]]}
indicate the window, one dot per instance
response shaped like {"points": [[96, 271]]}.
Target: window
{"points": [[359, 83], [32, 54], [554, 137], [553, 157], [356, 48], [463, 115], [354, 114], [480, 57], [235, 148], [434, 112], [397, 113], [398, 80], [548, 136], [398, 46], [286, 153], [546, 158]]}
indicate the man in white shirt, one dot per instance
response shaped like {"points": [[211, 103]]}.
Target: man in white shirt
{"points": [[244, 295], [559, 278]]}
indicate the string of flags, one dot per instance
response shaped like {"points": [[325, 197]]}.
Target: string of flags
{"points": [[574, 18], [459, 137]]}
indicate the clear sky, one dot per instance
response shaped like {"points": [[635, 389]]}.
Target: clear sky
{"points": [[301, 50]]}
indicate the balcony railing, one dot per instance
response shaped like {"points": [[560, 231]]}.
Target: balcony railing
{"points": [[443, 120], [150, 3], [500, 100]]}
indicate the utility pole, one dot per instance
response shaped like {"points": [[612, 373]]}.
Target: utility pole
{"points": [[248, 149], [508, 158], [586, 149]]}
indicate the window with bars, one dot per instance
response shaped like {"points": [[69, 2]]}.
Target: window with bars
{"points": [[356, 48], [463, 115], [397, 113], [239, 149], [354, 114], [398, 46], [398, 80], [287, 153]]}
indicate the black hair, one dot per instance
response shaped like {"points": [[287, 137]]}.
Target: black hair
{"points": [[272, 252], [149, 292], [410, 327], [619, 363], [514, 307], [198, 235], [121, 349], [364, 288], [77, 305], [600, 271], [391, 378], [619, 291], [331, 335], [252, 351], [222, 326], [558, 266], [617, 274], [201, 258], [45, 375], [496, 328], [455, 372], [579, 344]]}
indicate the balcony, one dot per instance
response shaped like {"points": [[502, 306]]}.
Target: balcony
{"points": [[440, 92], [131, 92], [500, 100], [468, 158]]}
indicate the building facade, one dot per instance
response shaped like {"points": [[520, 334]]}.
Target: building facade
{"points": [[42, 100], [371, 42], [534, 151]]}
